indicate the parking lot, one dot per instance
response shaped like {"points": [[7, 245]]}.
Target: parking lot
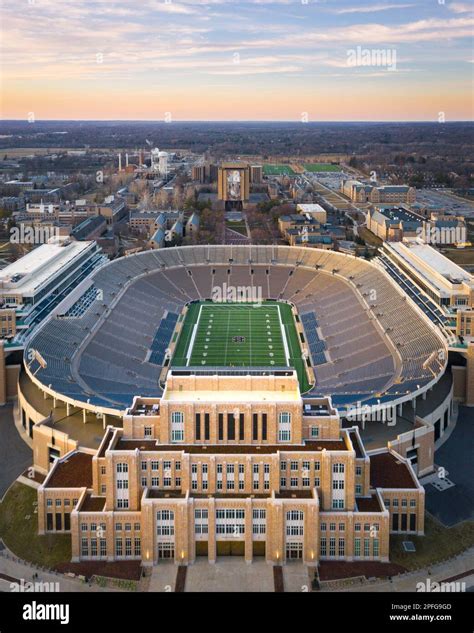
{"points": [[446, 201]]}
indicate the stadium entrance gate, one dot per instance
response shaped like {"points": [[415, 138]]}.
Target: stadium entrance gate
{"points": [[230, 548]]}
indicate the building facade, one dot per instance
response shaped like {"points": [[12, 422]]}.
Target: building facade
{"points": [[233, 184], [230, 463], [360, 192]]}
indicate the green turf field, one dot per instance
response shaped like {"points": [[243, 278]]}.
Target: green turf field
{"points": [[278, 170], [269, 338], [238, 335], [319, 167]]}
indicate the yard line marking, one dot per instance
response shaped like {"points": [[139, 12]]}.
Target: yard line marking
{"points": [[283, 333], [193, 336], [227, 337]]}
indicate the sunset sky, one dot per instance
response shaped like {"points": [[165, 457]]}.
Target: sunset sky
{"points": [[232, 60]]}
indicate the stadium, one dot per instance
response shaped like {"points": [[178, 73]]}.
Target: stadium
{"points": [[342, 323], [205, 401]]}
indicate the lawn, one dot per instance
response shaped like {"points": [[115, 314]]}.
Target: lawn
{"points": [[370, 238], [460, 256], [239, 227], [278, 170], [438, 544], [321, 167], [19, 530]]}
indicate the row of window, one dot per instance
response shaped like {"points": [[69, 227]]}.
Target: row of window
{"points": [[155, 464], [403, 522], [397, 503], [337, 547], [123, 547], [59, 502], [368, 527], [295, 465], [295, 482], [119, 527], [154, 482], [230, 483], [57, 524], [233, 425]]}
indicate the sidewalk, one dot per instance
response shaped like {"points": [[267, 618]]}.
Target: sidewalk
{"points": [[19, 570], [440, 572]]}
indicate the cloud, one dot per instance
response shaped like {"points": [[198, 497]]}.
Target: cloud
{"points": [[461, 7], [372, 8]]}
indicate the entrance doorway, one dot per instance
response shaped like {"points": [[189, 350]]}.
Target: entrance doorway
{"points": [[230, 548], [165, 551], [294, 551]]}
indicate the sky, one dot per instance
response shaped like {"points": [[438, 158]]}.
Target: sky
{"points": [[291, 60]]}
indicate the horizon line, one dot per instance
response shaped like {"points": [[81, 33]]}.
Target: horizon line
{"points": [[234, 121]]}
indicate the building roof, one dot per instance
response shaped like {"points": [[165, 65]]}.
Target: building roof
{"points": [[393, 188], [314, 239], [356, 444], [233, 165], [72, 471], [387, 471], [227, 395], [210, 449], [158, 236], [296, 218], [395, 215], [310, 208], [93, 504], [40, 265], [177, 227], [294, 494], [368, 504], [431, 265], [147, 215], [194, 219], [88, 225]]}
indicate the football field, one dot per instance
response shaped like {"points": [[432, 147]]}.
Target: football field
{"points": [[321, 167], [278, 170], [238, 335]]}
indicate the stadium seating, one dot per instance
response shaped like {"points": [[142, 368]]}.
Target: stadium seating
{"points": [[364, 337]]}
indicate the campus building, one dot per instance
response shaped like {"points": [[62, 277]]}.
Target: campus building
{"points": [[169, 423], [233, 184], [231, 465], [448, 285], [394, 223], [357, 191], [31, 286]]}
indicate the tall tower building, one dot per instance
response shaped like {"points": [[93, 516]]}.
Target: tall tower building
{"points": [[233, 184]]}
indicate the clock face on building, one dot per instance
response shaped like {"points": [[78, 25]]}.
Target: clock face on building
{"points": [[233, 185]]}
